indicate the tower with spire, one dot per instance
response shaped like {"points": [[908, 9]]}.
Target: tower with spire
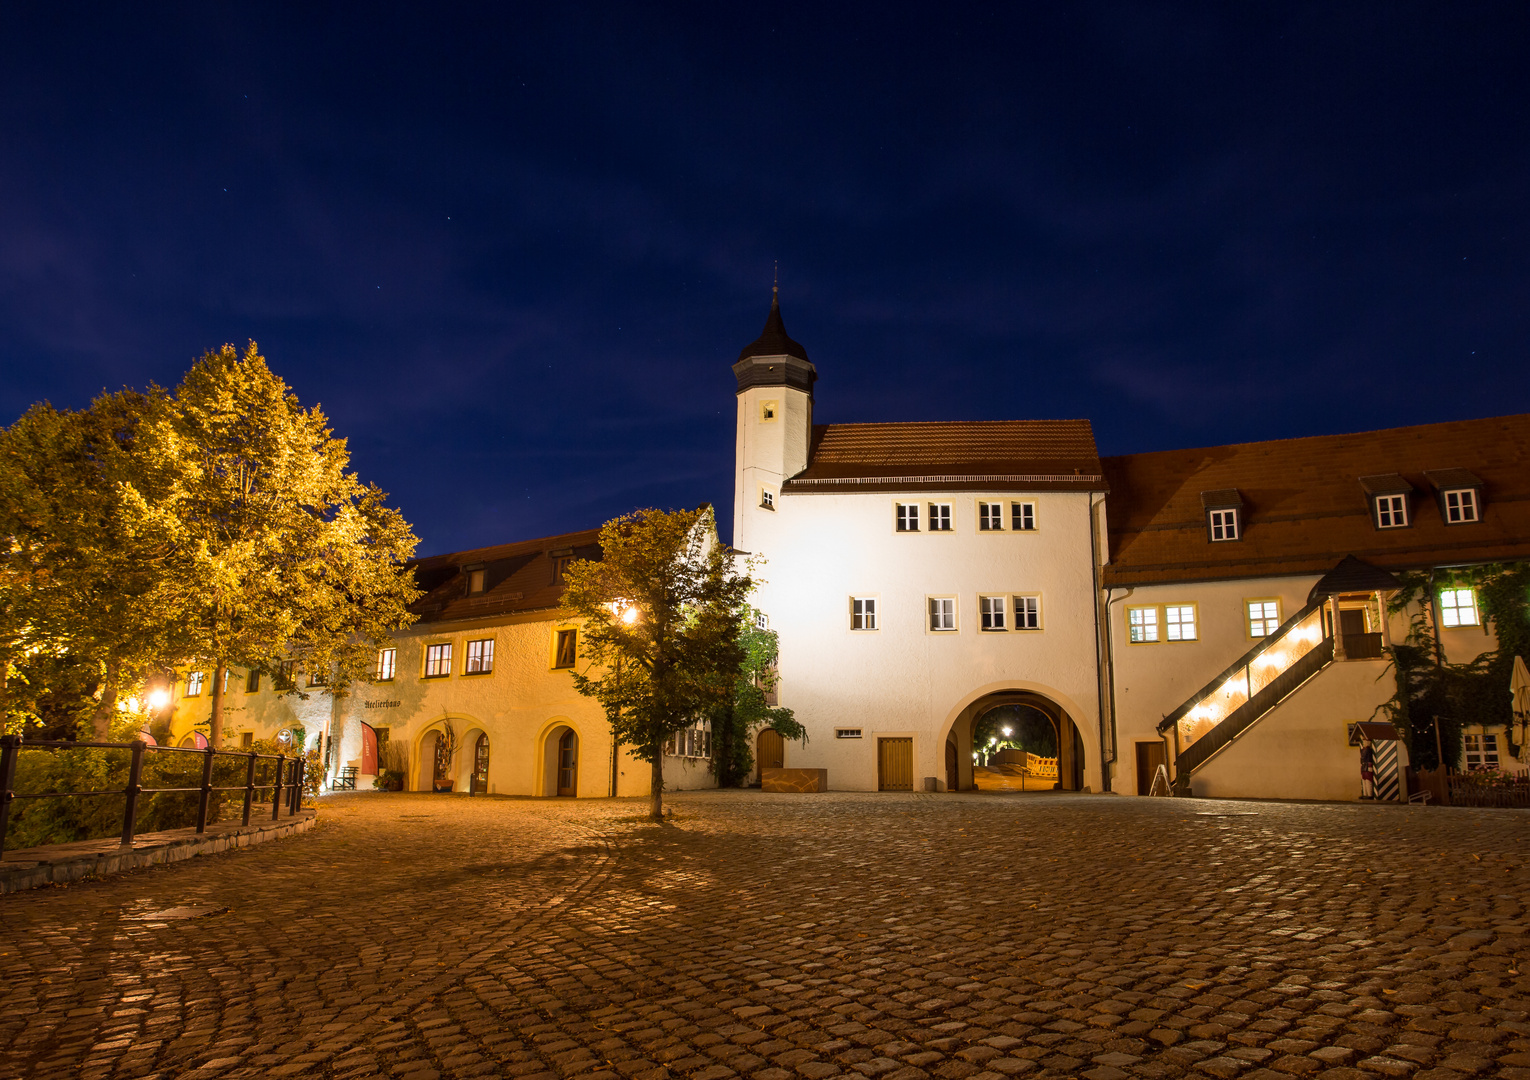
{"points": [[775, 424]]}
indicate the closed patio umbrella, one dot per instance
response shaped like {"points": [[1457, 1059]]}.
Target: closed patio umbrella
{"points": [[1519, 688]]}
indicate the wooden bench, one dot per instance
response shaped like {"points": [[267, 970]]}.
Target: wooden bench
{"points": [[345, 779]]}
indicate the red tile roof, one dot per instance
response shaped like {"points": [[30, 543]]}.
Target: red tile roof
{"points": [[1304, 507], [518, 577], [983, 454]]}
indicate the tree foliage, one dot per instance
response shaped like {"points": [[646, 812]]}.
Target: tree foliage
{"points": [[663, 612], [79, 618], [280, 549], [217, 525], [748, 709], [1459, 695]]}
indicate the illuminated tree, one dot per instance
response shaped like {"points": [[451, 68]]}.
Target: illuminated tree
{"points": [[663, 610], [80, 624], [279, 549]]}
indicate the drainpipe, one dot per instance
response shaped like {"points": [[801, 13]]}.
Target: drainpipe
{"points": [[1107, 720]]}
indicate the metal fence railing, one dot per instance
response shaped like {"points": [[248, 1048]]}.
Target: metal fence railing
{"points": [[285, 783]]}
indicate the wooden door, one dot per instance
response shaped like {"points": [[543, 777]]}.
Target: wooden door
{"points": [[368, 750], [895, 764], [443, 771], [568, 764], [953, 776], [769, 751], [1351, 621], [1150, 755], [480, 765]]}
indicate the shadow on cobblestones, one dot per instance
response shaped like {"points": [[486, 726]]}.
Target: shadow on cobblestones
{"points": [[772, 936]]}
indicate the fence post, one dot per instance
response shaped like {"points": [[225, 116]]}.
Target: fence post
{"points": [[207, 771], [300, 767], [10, 749], [135, 774], [276, 794], [249, 788]]}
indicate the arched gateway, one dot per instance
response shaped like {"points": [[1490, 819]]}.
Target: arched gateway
{"points": [[1026, 739]]}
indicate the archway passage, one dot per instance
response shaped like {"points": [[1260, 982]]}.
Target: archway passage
{"points": [[1017, 740], [568, 764]]}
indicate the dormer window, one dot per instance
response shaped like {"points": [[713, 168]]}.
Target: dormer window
{"points": [[562, 559], [477, 578], [1389, 496], [1224, 511], [1460, 495]]}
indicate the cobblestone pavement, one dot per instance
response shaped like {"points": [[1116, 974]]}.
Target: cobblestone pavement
{"points": [[891, 937]]}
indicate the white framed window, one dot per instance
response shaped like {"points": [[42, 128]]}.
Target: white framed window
{"points": [[1027, 612], [992, 610], [438, 660], [761, 621], [692, 742], [1223, 524], [480, 657], [942, 614], [1022, 516], [769, 410], [990, 517], [1458, 607], [863, 613], [767, 499], [1263, 617], [1179, 622], [194, 683], [1481, 752], [907, 517], [847, 733], [940, 517], [1143, 624], [387, 660], [1460, 506], [1391, 511]]}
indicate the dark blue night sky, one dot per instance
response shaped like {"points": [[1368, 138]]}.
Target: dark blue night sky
{"points": [[513, 251]]}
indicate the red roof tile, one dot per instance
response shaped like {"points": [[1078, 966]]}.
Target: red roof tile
{"points": [[518, 577], [961, 454], [1304, 507]]}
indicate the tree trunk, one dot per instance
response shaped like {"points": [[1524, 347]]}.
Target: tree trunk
{"points": [[101, 717], [215, 724], [658, 785]]}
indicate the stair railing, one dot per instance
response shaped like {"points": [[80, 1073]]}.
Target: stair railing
{"points": [[1261, 677]]}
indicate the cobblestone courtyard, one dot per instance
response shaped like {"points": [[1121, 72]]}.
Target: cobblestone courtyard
{"points": [[773, 937]]}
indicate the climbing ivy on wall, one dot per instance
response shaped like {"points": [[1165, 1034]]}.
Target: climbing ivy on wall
{"points": [[1460, 695]]}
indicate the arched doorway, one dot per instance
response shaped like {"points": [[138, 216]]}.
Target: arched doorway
{"points": [[437, 749], [479, 781], [568, 764], [769, 752], [1018, 740]]}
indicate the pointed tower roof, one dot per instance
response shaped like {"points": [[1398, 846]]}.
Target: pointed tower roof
{"points": [[773, 340], [774, 359]]}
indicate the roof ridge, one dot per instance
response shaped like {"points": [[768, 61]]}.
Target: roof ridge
{"points": [[1433, 425], [543, 541]]}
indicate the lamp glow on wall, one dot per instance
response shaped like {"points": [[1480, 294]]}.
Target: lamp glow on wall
{"points": [[159, 698]]}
